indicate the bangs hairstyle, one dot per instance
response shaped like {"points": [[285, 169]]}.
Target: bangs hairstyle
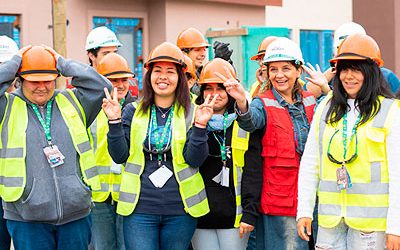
{"points": [[182, 95], [231, 101], [297, 88], [367, 101]]}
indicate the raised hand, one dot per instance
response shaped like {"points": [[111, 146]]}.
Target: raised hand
{"points": [[52, 51], [232, 85], [111, 106], [204, 112], [317, 77], [23, 50]]}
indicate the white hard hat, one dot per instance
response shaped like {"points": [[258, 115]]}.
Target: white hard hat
{"points": [[8, 48], [283, 49], [101, 37], [346, 30]]}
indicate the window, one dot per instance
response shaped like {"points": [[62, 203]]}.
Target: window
{"points": [[317, 47], [9, 26]]}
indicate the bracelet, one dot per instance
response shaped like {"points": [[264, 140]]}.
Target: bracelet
{"points": [[200, 124], [116, 119]]}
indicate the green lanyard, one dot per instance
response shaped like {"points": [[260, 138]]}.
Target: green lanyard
{"points": [[45, 124], [222, 145], [122, 102], [160, 139], [344, 134]]}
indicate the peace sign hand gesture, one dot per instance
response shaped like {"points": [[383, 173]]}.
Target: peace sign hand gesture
{"points": [[204, 112], [111, 105], [232, 85]]}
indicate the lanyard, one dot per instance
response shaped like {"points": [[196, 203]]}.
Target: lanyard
{"points": [[344, 134], [222, 145], [159, 139], [45, 123], [122, 102]]}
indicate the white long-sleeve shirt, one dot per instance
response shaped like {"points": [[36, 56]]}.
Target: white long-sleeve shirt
{"points": [[309, 171]]}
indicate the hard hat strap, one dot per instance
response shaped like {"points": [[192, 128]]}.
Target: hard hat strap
{"points": [[38, 72]]}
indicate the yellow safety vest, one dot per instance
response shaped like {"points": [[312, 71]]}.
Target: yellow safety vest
{"points": [[363, 206], [110, 182], [191, 185], [13, 143], [240, 144]]}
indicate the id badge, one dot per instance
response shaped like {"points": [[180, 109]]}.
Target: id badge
{"points": [[225, 177], [343, 178], [116, 168], [160, 176], [53, 156]]}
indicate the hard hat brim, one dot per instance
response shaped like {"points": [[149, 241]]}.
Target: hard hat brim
{"points": [[336, 59], [121, 75], [198, 45], [40, 77], [146, 65], [282, 59], [256, 57]]}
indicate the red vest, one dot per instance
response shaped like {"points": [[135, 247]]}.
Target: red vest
{"points": [[280, 159]]}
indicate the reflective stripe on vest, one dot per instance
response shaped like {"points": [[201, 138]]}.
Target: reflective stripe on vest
{"points": [[240, 144], [13, 136], [190, 182], [364, 206], [110, 182]]}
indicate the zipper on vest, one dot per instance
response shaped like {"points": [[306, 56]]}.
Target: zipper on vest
{"points": [[58, 197]]}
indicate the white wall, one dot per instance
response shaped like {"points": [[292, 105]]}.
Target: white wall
{"points": [[309, 14]]}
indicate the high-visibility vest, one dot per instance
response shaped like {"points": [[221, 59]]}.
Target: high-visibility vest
{"points": [[110, 182], [280, 160], [191, 185], [239, 145], [13, 143], [364, 205]]}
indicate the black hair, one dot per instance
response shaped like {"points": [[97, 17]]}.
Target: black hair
{"points": [[367, 102], [231, 101], [181, 92], [94, 51]]}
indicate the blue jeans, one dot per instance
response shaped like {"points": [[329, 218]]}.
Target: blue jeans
{"points": [[40, 236], [341, 237], [107, 230], [154, 232], [5, 239], [280, 232]]}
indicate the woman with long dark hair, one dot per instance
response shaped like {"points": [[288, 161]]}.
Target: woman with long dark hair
{"points": [[160, 195], [228, 159], [351, 156]]}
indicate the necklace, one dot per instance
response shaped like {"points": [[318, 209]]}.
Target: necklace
{"points": [[163, 114]]}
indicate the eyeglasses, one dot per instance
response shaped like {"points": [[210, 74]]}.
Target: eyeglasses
{"points": [[351, 159]]}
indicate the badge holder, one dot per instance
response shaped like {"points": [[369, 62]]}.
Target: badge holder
{"points": [[343, 178], [53, 155], [116, 168], [160, 176]]}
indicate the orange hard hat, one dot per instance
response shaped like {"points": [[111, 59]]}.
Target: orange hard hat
{"points": [[166, 52], [114, 66], [191, 69], [216, 65], [358, 47], [263, 47], [38, 64], [191, 38]]}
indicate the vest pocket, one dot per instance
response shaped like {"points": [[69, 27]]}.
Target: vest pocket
{"points": [[40, 203], [280, 186], [75, 196]]}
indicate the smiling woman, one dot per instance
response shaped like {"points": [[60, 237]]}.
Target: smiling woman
{"points": [[351, 156], [160, 194]]}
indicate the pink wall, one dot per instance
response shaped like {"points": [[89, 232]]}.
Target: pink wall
{"points": [[205, 15], [35, 21]]}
